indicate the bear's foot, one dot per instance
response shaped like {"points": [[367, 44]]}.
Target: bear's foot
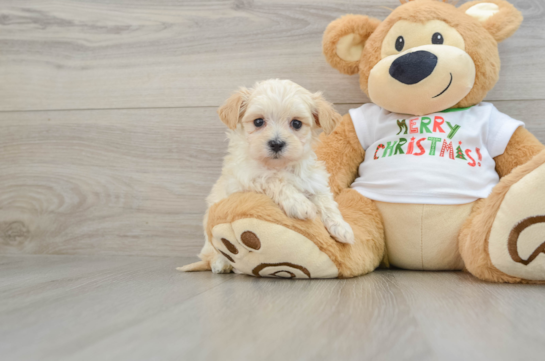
{"points": [[504, 238], [263, 249], [517, 238], [259, 239]]}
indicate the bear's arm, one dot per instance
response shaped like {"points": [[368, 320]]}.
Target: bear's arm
{"points": [[342, 154], [522, 147]]}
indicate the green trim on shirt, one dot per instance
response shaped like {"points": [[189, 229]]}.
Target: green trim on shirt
{"points": [[455, 109]]}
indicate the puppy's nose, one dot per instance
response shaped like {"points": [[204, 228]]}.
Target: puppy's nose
{"points": [[276, 145], [413, 67]]}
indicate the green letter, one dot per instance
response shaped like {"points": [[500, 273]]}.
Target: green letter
{"points": [[401, 143], [402, 125], [453, 130], [433, 144], [389, 147], [424, 125]]}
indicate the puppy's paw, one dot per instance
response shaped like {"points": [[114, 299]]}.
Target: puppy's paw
{"points": [[300, 208], [340, 230], [221, 265]]}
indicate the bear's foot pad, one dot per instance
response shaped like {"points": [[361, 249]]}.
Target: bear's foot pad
{"points": [[517, 238], [263, 249]]}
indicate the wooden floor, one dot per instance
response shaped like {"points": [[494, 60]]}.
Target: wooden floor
{"points": [[137, 308], [109, 144]]}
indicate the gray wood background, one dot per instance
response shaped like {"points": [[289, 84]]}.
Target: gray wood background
{"points": [[88, 308], [109, 140]]}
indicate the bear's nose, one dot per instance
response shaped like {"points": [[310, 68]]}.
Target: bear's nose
{"points": [[413, 67], [276, 145]]}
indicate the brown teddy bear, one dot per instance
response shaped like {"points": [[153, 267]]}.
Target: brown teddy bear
{"points": [[428, 176]]}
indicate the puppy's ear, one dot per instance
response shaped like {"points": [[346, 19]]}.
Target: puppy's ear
{"points": [[499, 17], [233, 109], [324, 114], [344, 40]]}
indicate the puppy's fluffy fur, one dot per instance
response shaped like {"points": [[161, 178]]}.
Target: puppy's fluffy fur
{"points": [[291, 176]]}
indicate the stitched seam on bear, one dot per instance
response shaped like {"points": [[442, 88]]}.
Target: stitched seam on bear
{"points": [[262, 266], [512, 244]]}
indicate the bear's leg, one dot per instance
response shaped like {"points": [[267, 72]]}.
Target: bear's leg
{"points": [[258, 239], [503, 240]]}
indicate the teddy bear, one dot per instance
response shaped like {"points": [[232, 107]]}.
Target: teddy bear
{"points": [[428, 175]]}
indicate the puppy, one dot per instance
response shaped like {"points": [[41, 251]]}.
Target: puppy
{"points": [[273, 128]]}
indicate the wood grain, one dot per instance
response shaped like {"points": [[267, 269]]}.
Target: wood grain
{"points": [[468, 314], [136, 54], [55, 306], [137, 308], [107, 181], [127, 182]]}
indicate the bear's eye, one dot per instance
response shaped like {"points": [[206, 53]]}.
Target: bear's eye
{"points": [[296, 124], [437, 38], [400, 43], [259, 122]]}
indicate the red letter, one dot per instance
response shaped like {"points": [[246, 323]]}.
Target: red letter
{"points": [[410, 147], [422, 150], [446, 147], [472, 163], [412, 125], [437, 125], [480, 156], [380, 146]]}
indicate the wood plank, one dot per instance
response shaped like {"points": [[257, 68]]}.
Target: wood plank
{"points": [[131, 54], [262, 319], [107, 182], [121, 181], [464, 314], [57, 305], [138, 308], [144, 310]]}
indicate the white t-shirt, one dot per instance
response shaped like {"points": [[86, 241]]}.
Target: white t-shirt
{"points": [[441, 158]]}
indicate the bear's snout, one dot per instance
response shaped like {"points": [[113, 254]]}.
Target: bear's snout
{"points": [[413, 67]]}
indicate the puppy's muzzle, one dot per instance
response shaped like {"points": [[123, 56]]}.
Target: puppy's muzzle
{"points": [[276, 145]]}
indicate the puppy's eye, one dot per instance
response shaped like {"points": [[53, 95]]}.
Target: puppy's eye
{"points": [[296, 124], [400, 43], [259, 122], [437, 38]]}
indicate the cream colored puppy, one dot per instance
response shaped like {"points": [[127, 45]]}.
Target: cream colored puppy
{"points": [[273, 128]]}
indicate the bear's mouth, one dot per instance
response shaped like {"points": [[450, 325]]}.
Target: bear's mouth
{"points": [[448, 86]]}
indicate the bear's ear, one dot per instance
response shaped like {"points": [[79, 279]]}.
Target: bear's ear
{"points": [[325, 115], [232, 110], [344, 40], [499, 17]]}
